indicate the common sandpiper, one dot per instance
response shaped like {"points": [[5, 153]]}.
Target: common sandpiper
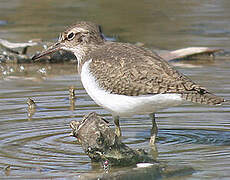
{"points": [[126, 79]]}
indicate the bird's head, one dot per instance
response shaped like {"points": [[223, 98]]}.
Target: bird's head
{"points": [[75, 37]]}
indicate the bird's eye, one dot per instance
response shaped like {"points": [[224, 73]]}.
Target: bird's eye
{"points": [[70, 36]]}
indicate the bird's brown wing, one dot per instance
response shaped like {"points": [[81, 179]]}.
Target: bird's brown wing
{"points": [[129, 70]]}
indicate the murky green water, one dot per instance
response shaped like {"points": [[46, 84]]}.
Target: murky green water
{"points": [[40, 146]]}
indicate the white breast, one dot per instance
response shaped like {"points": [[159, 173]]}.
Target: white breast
{"points": [[123, 105]]}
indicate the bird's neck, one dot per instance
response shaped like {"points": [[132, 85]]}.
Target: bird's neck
{"points": [[82, 53]]}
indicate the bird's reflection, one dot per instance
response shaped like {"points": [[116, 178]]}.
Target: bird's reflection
{"points": [[72, 98]]}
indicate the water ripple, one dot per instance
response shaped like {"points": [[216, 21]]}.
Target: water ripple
{"points": [[196, 136]]}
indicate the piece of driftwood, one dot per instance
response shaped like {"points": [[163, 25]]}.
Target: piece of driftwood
{"points": [[102, 145], [190, 53], [17, 52], [9, 53], [11, 47]]}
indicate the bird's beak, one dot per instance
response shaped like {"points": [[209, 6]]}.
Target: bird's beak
{"points": [[51, 49]]}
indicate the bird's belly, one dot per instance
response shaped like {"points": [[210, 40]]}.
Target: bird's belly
{"points": [[123, 105]]}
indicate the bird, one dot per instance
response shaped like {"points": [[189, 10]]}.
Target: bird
{"points": [[126, 79]]}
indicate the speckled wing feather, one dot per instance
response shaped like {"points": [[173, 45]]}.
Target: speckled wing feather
{"points": [[129, 70]]}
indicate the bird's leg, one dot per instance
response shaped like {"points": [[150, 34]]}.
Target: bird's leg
{"points": [[154, 130], [117, 126]]}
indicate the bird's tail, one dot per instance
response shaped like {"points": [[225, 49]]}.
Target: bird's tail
{"points": [[202, 98]]}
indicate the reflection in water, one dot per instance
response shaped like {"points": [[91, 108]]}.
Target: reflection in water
{"points": [[196, 136], [72, 98], [72, 103]]}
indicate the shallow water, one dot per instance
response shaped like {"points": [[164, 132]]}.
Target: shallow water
{"points": [[40, 146]]}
